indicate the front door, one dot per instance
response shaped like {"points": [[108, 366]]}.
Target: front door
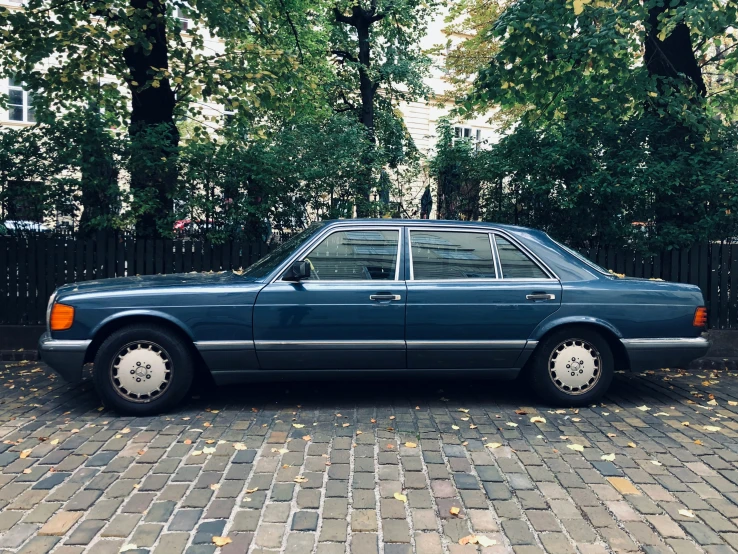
{"points": [[469, 308], [350, 313]]}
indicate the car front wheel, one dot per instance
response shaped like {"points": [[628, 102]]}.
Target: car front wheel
{"points": [[572, 367], [143, 370]]}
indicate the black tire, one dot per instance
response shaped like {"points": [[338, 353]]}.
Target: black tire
{"points": [[543, 382], [176, 356]]}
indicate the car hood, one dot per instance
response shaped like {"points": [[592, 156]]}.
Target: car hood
{"points": [[143, 283]]}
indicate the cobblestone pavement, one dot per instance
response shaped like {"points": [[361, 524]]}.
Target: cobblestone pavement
{"points": [[353, 467]]}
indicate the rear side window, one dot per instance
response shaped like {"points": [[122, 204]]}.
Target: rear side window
{"points": [[442, 255], [515, 264]]}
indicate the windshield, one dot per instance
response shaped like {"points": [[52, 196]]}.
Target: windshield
{"points": [[581, 258], [269, 263]]}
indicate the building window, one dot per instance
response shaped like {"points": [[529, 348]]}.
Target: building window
{"points": [[184, 22], [20, 102], [468, 133], [229, 111]]}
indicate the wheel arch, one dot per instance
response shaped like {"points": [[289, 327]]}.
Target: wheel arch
{"points": [[608, 332], [108, 326]]}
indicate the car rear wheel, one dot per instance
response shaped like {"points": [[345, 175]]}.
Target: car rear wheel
{"points": [[572, 367], [143, 370]]}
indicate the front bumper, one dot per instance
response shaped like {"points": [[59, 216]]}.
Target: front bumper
{"points": [[66, 357], [667, 352]]}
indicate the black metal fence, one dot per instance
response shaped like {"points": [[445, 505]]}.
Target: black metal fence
{"points": [[31, 267]]}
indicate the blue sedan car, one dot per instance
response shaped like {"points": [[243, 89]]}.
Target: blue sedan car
{"points": [[394, 297]]}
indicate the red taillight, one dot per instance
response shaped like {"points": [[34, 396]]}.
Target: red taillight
{"points": [[700, 317]]}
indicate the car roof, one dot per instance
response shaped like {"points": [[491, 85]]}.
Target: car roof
{"points": [[432, 223]]}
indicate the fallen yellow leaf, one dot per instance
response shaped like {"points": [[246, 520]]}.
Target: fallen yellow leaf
{"points": [[401, 497], [454, 511], [301, 479], [575, 447], [298, 425], [608, 457], [411, 445], [221, 541], [455, 427], [632, 445], [711, 428], [493, 445], [537, 419], [239, 446], [686, 513], [26, 453]]}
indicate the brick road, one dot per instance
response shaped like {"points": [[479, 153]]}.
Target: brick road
{"points": [[350, 467]]}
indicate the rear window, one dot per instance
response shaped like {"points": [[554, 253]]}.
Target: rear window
{"points": [[515, 263]]}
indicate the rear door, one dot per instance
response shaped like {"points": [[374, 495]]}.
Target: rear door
{"points": [[467, 306], [350, 314]]}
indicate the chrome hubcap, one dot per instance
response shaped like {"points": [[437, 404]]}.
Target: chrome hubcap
{"points": [[575, 366], [141, 371]]}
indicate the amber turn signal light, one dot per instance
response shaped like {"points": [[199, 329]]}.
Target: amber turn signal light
{"points": [[61, 317], [700, 317]]}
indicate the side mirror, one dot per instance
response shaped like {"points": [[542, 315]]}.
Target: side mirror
{"points": [[298, 272]]}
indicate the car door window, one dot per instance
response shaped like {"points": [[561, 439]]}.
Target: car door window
{"points": [[451, 255], [362, 255], [515, 264]]}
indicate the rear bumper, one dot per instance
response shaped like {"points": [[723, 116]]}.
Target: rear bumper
{"points": [[66, 357], [667, 352]]}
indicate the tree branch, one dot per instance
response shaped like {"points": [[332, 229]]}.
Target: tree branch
{"points": [[345, 55], [294, 30], [343, 18]]}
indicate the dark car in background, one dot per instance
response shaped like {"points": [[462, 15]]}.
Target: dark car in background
{"points": [[381, 297]]}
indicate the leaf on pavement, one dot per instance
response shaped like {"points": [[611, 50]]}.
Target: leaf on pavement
{"points": [[239, 446], [632, 445], [537, 419], [127, 547], [26, 453], [712, 428], [401, 497], [196, 452], [608, 457], [298, 425], [493, 445], [454, 511], [575, 447], [465, 410], [732, 403], [611, 435], [301, 479], [222, 541], [308, 438], [644, 408], [455, 427], [411, 445], [686, 513], [249, 491], [511, 424], [209, 449], [656, 462]]}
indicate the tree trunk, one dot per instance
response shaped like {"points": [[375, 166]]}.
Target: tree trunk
{"points": [[152, 129], [362, 21], [671, 59]]}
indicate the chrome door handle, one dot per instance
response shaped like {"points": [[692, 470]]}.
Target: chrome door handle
{"points": [[541, 296], [384, 297]]}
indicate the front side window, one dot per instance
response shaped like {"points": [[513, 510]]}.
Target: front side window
{"points": [[361, 255], [20, 102], [451, 255], [515, 264]]}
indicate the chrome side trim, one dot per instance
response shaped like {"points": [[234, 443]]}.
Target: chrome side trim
{"points": [[205, 345], [465, 344], [64, 345], [666, 343], [329, 344], [531, 344]]}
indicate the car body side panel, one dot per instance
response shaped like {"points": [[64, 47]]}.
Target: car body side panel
{"points": [[217, 318], [628, 308]]}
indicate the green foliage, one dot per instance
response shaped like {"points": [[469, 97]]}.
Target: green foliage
{"points": [[620, 119]]}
